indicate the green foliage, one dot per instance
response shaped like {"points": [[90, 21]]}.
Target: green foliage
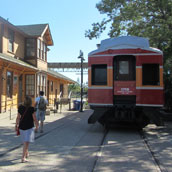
{"points": [[150, 18], [168, 84], [144, 18], [75, 88], [85, 89]]}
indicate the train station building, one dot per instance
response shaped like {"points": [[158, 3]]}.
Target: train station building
{"points": [[23, 65]]}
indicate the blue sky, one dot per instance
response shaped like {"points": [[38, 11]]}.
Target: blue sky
{"points": [[68, 20]]}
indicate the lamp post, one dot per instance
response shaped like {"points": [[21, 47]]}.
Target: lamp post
{"points": [[82, 59]]}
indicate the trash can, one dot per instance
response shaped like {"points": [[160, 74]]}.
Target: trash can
{"points": [[74, 104], [77, 104]]}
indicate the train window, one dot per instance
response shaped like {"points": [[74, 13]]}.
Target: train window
{"points": [[99, 74], [124, 67], [150, 74]]}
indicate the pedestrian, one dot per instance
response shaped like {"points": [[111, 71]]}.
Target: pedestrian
{"points": [[40, 105], [25, 122]]}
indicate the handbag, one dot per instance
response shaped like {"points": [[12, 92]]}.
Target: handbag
{"points": [[18, 131]]}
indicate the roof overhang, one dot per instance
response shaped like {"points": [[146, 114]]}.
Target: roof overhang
{"points": [[59, 76], [47, 35], [17, 62]]}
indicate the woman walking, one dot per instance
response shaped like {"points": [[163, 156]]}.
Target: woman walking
{"points": [[25, 122]]}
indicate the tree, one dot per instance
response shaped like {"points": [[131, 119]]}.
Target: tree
{"points": [[75, 88], [145, 18]]}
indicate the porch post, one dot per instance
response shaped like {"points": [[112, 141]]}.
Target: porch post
{"points": [[1, 88]]}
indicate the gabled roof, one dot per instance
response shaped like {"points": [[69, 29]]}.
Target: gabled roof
{"points": [[37, 30], [33, 30], [12, 26]]}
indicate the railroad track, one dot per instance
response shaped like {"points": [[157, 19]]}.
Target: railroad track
{"points": [[159, 165], [100, 149], [102, 144]]}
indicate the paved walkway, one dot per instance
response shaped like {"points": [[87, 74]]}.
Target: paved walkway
{"points": [[54, 150], [8, 138]]}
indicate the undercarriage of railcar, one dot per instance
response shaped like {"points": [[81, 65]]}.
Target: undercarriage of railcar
{"points": [[126, 115]]}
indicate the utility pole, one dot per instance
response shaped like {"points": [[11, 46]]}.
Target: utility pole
{"points": [[82, 59]]}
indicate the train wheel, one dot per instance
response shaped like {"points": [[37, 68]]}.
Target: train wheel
{"points": [[101, 121], [141, 119], [144, 122]]}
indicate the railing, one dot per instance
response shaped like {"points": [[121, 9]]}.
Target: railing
{"points": [[56, 102], [9, 105]]}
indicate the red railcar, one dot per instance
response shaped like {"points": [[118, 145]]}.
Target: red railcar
{"points": [[125, 82]]}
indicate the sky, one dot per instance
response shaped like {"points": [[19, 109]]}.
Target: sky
{"points": [[68, 21]]}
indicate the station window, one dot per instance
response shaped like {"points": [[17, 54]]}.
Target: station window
{"points": [[30, 85], [61, 90], [38, 84], [44, 84], [10, 40], [41, 50], [41, 83], [9, 83], [45, 52], [150, 74], [99, 74], [51, 85], [30, 47], [38, 48]]}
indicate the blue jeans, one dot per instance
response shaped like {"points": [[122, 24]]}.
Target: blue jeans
{"points": [[40, 115]]}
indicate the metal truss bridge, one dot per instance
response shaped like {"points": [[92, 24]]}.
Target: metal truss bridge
{"points": [[69, 67]]}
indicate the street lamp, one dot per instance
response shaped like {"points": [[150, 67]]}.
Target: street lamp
{"points": [[82, 59]]}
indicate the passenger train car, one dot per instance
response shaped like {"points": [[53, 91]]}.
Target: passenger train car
{"points": [[125, 78]]}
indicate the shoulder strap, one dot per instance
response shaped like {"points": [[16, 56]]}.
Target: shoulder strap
{"points": [[23, 115], [41, 98]]}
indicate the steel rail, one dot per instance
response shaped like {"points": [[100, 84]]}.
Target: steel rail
{"points": [[159, 165]]}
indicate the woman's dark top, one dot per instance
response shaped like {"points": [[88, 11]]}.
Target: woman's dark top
{"points": [[27, 120]]}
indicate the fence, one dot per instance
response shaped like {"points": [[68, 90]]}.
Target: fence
{"points": [[9, 105]]}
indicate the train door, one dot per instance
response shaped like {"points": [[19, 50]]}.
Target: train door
{"points": [[124, 79]]}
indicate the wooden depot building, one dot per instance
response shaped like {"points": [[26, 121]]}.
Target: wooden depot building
{"points": [[23, 65]]}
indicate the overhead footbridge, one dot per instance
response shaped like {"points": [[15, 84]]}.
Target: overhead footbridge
{"points": [[68, 67]]}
